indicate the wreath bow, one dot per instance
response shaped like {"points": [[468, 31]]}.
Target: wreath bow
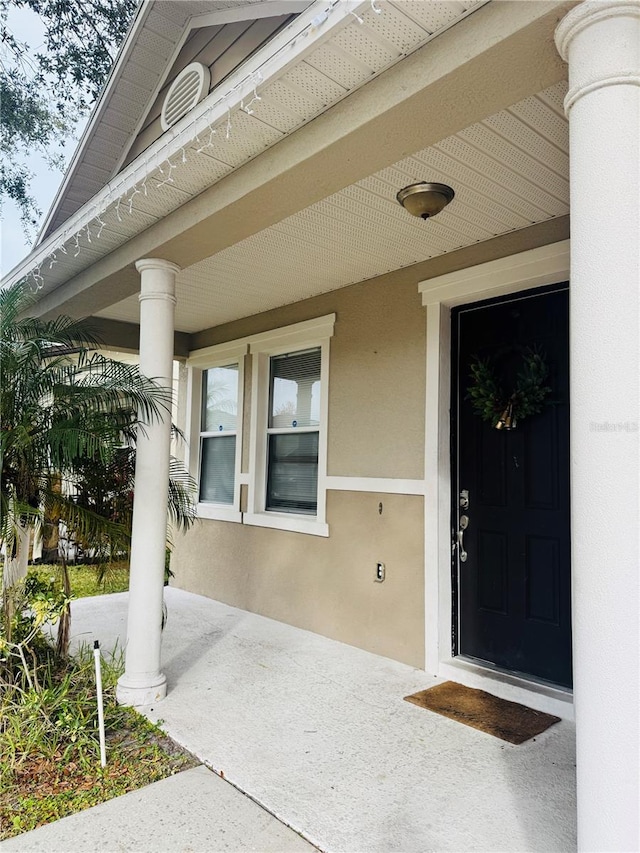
{"points": [[501, 409]]}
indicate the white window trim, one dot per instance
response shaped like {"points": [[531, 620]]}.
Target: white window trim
{"points": [[197, 363], [300, 336]]}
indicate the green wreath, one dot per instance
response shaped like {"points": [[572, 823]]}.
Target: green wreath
{"points": [[499, 407]]}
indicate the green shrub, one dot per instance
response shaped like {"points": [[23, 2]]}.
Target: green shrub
{"points": [[49, 738]]}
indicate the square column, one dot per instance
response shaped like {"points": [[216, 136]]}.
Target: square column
{"points": [[601, 42], [143, 682]]}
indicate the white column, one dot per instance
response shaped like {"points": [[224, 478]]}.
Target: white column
{"points": [[601, 42], [143, 682]]}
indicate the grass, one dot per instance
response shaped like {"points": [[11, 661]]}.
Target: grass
{"points": [[50, 745], [86, 580]]}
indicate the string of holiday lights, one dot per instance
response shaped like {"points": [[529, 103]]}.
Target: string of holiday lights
{"points": [[202, 132]]}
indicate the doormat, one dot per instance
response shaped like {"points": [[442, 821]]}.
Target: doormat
{"points": [[506, 720]]}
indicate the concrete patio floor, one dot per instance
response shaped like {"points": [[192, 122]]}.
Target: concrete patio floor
{"points": [[318, 734]]}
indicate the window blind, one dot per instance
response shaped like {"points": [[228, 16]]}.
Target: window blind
{"points": [[295, 390], [217, 469], [292, 483], [294, 417]]}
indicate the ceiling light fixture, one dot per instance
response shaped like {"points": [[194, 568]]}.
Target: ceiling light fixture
{"points": [[425, 200]]}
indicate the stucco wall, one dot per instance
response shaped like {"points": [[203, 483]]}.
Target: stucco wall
{"points": [[375, 429], [323, 585], [377, 383], [376, 374]]}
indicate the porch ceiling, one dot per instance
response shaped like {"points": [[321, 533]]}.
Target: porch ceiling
{"points": [[320, 192], [317, 68], [509, 171]]}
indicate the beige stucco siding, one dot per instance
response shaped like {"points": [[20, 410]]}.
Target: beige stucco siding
{"points": [[375, 429], [376, 374], [323, 585], [377, 383]]}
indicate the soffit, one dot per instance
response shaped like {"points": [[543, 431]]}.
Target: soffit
{"points": [[509, 171], [351, 55], [222, 48], [128, 93]]}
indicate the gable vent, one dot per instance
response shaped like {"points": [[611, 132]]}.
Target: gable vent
{"points": [[187, 90]]}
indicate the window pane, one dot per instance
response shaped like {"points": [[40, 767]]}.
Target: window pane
{"points": [[292, 482], [217, 470], [295, 389], [220, 399]]}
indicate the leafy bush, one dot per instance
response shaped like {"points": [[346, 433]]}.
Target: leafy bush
{"points": [[49, 738]]}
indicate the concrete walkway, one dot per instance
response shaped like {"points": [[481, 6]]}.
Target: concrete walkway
{"points": [[318, 734], [192, 811]]}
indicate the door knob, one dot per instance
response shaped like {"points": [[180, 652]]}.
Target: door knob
{"points": [[464, 523]]}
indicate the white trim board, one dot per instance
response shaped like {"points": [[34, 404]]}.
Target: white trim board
{"points": [[292, 335], [524, 271], [387, 485], [126, 48]]}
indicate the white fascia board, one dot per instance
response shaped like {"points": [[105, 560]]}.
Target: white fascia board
{"points": [[250, 12], [285, 50], [126, 47]]}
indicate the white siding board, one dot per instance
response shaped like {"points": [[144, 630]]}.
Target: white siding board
{"points": [[395, 27], [309, 80], [522, 162], [276, 115], [529, 140], [430, 16], [339, 66]]}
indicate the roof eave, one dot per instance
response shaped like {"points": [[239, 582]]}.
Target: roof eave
{"points": [[238, 87], [110, 83]]}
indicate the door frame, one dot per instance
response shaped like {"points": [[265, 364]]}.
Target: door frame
{"points": [[516, 273]]}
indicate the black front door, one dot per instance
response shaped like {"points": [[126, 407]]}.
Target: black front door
{"points": [[512, 597]]}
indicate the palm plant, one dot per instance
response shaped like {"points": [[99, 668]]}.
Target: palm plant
{"points": [[66, 410]]}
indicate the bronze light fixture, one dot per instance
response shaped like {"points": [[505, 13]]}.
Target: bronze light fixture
{"points": [[425, 200]]}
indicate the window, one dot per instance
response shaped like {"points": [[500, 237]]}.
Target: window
{"points": [[287, 463], [218, 434], [292, 434], [215, 405], [288, 457]]}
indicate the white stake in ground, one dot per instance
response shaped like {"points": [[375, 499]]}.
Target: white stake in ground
{"points": [[96, 657]]}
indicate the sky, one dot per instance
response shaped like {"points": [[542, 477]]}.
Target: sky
{"points": [[14, 245]]}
